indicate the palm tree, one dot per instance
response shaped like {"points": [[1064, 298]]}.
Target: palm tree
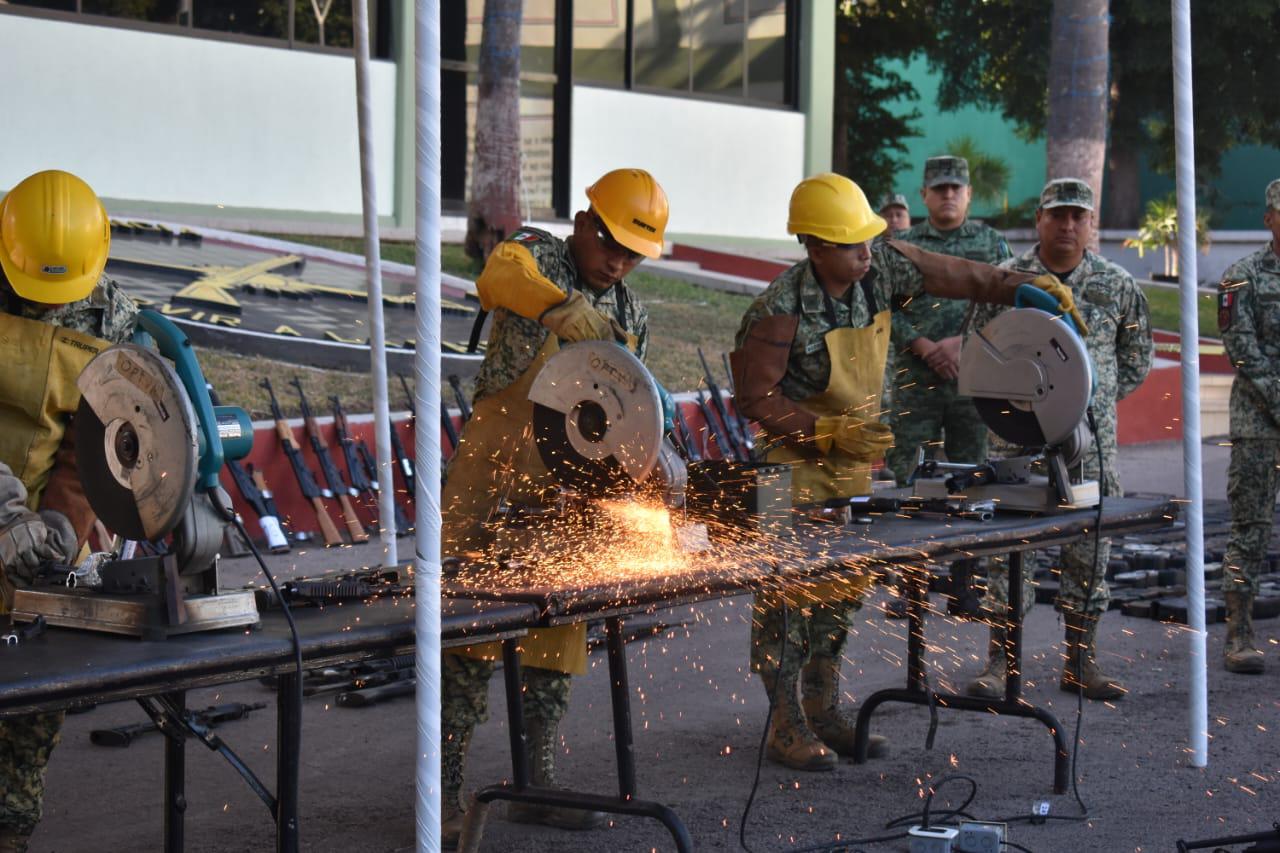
{"points": [[1076, 125], [988, 174], [493, 211]]}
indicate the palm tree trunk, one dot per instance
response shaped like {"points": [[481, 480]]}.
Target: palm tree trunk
{"points": [[493, 211], [1078, 65]]}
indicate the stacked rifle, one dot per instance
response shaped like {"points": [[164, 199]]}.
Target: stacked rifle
{"points": [[208, 718], [727, 428]]}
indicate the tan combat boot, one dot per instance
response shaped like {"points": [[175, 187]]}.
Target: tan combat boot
{"points": [[791, 742], [541, 738], [989, 683], [1081, 667], [820, 698], [1240, 655]]}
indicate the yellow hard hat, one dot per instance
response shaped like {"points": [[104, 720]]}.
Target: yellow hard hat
{"points": [[833, 208], [54, 238], [633, 207]]}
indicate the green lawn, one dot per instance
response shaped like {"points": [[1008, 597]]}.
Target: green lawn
{"points": [[1166, 314]]}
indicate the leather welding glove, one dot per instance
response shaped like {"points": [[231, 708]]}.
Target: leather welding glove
{"points": [[22, 543], [1066, 299], [575, 319], [62, 545], [866, 440]]}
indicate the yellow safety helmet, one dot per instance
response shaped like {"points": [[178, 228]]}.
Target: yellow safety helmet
{"points": [[54, 238], [633, 207], [833, 208]]}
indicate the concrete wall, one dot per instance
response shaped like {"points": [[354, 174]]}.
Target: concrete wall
{"points": [[727, 169], [170, 118]]}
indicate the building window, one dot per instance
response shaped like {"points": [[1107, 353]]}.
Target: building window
{"points": [[730, 49]]}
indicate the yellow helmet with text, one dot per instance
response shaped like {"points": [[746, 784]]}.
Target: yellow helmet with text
{"points": [[54, 238], [833, 208], [633, 206]]}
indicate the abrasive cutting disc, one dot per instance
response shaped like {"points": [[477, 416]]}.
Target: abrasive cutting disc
{"points": [[136, 445], [1029, 375], [597, 417]]}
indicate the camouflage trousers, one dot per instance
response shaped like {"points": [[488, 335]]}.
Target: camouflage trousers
{"points": [[1081, 569], [929, 414], [815, 630], [1252, 480], [464, 704], [25, 746]]}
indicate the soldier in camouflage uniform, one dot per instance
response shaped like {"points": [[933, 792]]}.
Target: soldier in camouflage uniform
{"points": [[808, 368], [57, 311], [896, 213], [543, 291], [1115, 311], [1249, 318], [926, 332]]}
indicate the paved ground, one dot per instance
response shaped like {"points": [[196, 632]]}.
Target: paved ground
{"points": [[698, 719]]}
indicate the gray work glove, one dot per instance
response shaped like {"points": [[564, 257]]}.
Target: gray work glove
{"points": [[28, 539]]}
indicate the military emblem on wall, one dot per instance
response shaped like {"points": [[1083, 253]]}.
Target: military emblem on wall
{"points": [[286, 301]]}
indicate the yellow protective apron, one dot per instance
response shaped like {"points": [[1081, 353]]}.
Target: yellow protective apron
{"points": [[496, 458], [38, 395], [857, 379]]}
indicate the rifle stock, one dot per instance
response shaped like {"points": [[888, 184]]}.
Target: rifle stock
{"points": [[331, 474], [306, 481]]}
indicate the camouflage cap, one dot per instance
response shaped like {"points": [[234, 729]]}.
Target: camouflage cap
{"points": [[893, 200], [946, 169], [1273, 194], [1066, 192]]}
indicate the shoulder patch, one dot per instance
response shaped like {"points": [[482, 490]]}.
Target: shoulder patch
{"points": [[1227, 299], [525, 236]]}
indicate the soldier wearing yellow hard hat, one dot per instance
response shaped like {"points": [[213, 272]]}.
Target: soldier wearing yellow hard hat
{"points": [[57, 310], [543, 291], [809, 368]]}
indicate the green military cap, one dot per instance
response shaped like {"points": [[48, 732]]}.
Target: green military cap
{"points": [[1273, 194], [893, 200], [1066, 192], [946, 169]]}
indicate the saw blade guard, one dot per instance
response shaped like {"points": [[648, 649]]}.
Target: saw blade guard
{"points": [[597, 417], [1030, 377], [136, 444]]}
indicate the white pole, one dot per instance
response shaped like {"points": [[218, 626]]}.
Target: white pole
{"points": [[426, 406], [373, 269], [1198, 706]]}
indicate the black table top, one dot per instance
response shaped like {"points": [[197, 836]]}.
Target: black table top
{"points": [[63, 665], [815, 550]]}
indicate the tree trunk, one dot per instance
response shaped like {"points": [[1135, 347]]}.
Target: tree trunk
{"points": [[1124, 193], [1076, 125], [493, 211]]}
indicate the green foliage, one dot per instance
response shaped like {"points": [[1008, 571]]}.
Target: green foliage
{"points": [[995, 54], [988, 174], [1021, 215], [1159, 230], [869, 133]]}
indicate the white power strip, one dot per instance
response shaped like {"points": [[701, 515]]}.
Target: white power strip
{"points": [[933, 839], [980, 837]]}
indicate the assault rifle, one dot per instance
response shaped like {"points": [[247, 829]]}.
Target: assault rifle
{"points": [[306, 481], [406, 463], [256, 497], [332, 475], [363, 470], [744, 425], [213, 715], [463, 406], [736, 443]]}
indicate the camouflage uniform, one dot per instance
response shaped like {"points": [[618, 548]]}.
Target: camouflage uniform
{"points": [[819, 629], [1119, 344], [926, 406], [1249, 317], [26, 742], [514, 342]]}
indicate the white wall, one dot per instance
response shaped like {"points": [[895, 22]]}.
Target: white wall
{"points": [[175, 119], [727, 169]]}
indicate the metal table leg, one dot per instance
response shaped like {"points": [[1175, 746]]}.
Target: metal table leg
{"points": [[918, 692], [625, 803], [175, 783], [288, 752]]}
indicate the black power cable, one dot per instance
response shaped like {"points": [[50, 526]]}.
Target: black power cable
{"points": [[764, 737]]}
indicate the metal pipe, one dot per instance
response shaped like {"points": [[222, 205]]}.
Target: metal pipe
{"points": [[426, 404], [373, 273], [1184, 138]]}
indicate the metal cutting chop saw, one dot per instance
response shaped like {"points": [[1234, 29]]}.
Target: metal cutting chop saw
{"points": [[1031, 380], [149, 447]]}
